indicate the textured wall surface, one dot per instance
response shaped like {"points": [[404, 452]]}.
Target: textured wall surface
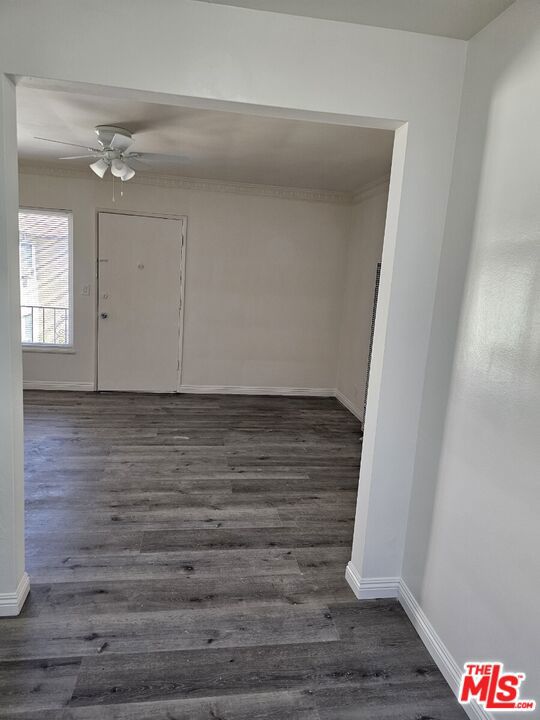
{"points": [[471, 555]]}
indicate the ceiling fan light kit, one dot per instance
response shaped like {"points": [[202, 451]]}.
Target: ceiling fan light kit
{"points": [[114, 142], [100, 167], [118, 168], [113, 153], [128, 173]]}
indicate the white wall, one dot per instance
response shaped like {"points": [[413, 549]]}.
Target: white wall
{"points": [[230, 57], [363, 253], [297, 65], [13, 579], [264, 283], [471, 557]]}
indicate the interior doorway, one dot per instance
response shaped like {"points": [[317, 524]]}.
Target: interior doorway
{"points": [[140, 299]]}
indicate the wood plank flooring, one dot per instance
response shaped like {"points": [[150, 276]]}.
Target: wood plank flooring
{"points": [[187, 558]]}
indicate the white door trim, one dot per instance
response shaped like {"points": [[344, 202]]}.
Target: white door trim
{"points": [[182, 304], [183, 241]]}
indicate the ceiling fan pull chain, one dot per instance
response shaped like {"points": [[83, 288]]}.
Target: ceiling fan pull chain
{"points": [[113, 198]]}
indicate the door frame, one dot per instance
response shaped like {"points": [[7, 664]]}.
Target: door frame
{"points": [[183, 251]]}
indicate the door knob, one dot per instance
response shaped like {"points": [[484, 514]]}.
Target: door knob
{"points": [[104, 316]]}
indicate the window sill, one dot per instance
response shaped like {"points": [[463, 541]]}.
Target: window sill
{"points": [[67, 350]]}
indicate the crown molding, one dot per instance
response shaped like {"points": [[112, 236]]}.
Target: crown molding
{"points": [[201, 184], [53, 171], [371, 189]]}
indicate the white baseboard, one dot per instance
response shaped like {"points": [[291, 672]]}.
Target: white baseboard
{"points": [[253, 390], [384, 587], [211, 390], [58, 385], [371, 588], [351, 407], [265, 390], [11, 604], [437, 649]]}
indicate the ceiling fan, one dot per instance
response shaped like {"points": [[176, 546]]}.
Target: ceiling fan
{"points": [[114, 142]]}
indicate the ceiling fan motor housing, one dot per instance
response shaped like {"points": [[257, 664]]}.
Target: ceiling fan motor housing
{"points": [[106, 134]]}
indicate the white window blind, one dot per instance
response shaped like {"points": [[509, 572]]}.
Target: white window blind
{"points": [[45, 262]]}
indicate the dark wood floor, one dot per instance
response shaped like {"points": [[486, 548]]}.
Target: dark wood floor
{"points": [[187, 556]]}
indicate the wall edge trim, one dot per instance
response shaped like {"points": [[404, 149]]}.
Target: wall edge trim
{"points": [[442, 656], [11, 604], [255, 390], [58, 385], [212, 390], [371, 588], [385, 587], [344, 400]]}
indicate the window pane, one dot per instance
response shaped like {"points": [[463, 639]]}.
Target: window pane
{"points": [[44, 267]]}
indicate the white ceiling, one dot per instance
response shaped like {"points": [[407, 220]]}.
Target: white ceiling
{"points": [[451, 18], [216, 145]]}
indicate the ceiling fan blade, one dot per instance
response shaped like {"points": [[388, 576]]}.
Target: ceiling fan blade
{"points": [[135, 159], [76, 157], [61, 142], [120, 142], [157, 159]]}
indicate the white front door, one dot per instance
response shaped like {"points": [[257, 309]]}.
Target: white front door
{"points": [[139, 307]]}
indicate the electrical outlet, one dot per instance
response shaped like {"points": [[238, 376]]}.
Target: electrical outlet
{"points": [[85, 290]]}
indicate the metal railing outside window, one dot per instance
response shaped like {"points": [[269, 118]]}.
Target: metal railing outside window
{"points": [[44, 325]]}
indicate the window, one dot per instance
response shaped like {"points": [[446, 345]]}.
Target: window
{"points": [[45, 274]]}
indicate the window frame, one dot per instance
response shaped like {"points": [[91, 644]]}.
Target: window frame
{"points": [[68, 348]]}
